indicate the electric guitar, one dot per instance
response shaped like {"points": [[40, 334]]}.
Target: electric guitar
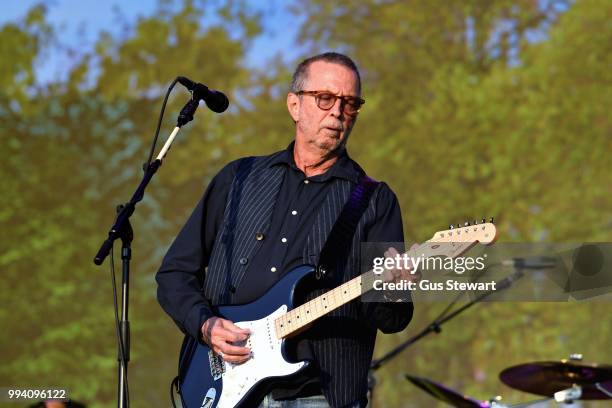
{"points": [[207, 381]]}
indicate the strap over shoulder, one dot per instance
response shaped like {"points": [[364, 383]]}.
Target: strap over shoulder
{"points": [[338, 243]]}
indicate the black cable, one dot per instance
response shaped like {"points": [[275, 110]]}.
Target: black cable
{"points": [[117, 324], [173, 383], [161, 115]]}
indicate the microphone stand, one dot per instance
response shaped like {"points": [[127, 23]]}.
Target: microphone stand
{"points": [[436, 325], [122, 229]]}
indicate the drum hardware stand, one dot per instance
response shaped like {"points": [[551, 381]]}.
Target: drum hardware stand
{"points": [[569, 395]]}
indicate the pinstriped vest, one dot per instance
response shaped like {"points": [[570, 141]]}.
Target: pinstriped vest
{"points": [[342, 346]]}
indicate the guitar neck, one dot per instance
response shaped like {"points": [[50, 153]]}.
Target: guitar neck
{"points": [[450, 243], [295, 319]]}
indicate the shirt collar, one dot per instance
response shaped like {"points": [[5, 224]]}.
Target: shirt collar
{"points": [[344, 167]]}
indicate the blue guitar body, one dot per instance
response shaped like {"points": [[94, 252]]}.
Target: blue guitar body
{"points": [[206, 381]]}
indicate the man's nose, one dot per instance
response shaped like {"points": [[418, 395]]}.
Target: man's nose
{"points": [[338, 108]]}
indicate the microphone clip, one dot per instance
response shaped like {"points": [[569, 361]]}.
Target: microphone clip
{"points": [[187, 112]]}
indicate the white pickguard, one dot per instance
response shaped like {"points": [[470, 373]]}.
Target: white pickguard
{"points": [[266, 361]]}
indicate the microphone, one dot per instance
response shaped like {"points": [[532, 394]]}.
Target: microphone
{"points": [[536, 262], [215, 100]]}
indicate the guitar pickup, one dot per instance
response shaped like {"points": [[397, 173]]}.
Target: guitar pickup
{"points": [[217, 365]]}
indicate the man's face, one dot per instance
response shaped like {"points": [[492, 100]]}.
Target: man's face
{"points": [[323, 130]]}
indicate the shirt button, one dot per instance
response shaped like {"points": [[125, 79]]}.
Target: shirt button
{"points": [[293, 212], [259, 236], [306, 181], [283, 240], [243, 261], [273, 269]]}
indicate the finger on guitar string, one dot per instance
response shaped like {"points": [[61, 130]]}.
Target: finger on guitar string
{"points": [[233, 346], [402, 271], [215, 325], [230, 353], [234, 353], [228, 341], [233, 336], [391, 274], [231, 326]]}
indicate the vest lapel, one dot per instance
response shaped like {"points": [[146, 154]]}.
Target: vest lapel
{"points": [[248, 211]]}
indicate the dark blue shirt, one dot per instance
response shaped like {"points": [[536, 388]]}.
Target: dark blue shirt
{"points": [[297, 205]]}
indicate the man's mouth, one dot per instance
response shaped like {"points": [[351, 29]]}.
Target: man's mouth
{"points": [[334, 129]]}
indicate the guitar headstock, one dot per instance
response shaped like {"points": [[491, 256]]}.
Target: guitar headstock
{"points": [[460, 238], [484, 233]]}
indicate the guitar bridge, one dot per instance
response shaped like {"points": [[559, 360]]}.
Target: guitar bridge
{"points": [[217, 365]]}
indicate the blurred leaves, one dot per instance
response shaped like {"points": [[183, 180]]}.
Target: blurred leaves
{"points": [[21, 44], [474, 108]]}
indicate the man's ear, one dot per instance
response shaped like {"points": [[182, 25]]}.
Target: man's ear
{"points": [[293, 105]]}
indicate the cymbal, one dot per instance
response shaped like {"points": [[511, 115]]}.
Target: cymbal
{"points": [[445, 394], [548, 377]]}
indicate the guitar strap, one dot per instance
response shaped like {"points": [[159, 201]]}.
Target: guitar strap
{"points": [[340, 238], [336, 248]]}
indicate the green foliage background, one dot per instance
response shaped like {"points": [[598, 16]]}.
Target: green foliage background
{"points": [[474, 108]]}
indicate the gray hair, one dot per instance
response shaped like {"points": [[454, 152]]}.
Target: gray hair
{"points": [[301, 72]]}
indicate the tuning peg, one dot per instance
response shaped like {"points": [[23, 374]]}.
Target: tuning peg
{"points": [[467, 224], [491, 221], [451, 226], [484, 220], [575, 357], [474, 222]]}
